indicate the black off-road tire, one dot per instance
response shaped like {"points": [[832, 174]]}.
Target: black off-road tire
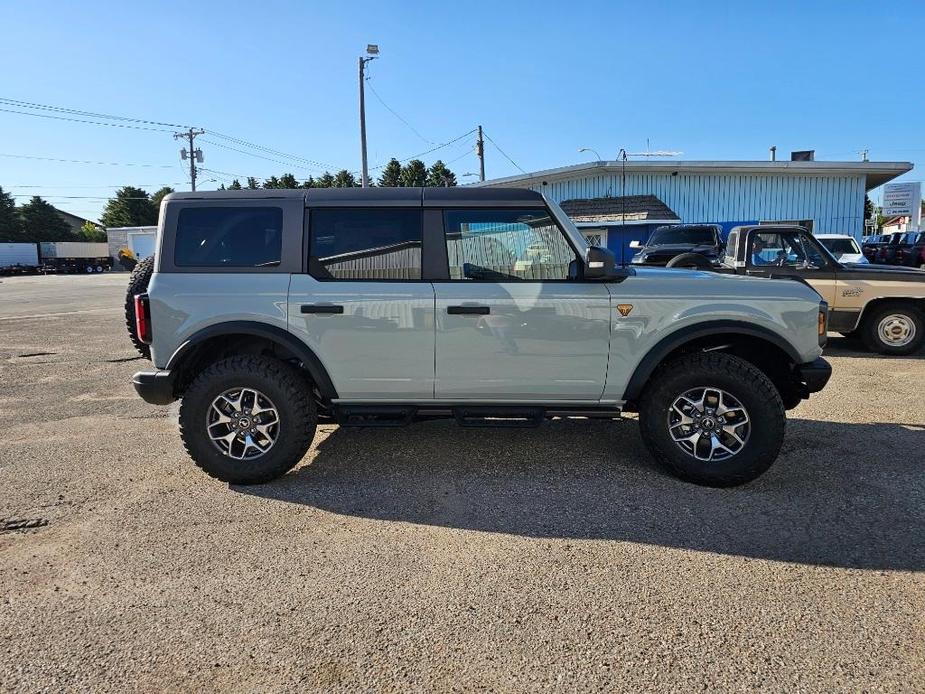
{"points": [[291, 395], [870, 332], [743, 381], [137, 284], [690, 261]]}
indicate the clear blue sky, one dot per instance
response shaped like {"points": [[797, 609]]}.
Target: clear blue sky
{"points": [[714, 80]]}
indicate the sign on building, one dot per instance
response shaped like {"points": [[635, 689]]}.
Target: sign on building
{"points": [[903, 200]]}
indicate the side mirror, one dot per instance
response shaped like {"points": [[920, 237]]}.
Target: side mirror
{"points": [[635, 244], [600, 263]]}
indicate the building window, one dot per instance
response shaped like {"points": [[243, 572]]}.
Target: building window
{"points": [[595, 237]]}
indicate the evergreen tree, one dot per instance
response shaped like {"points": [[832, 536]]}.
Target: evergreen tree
{"points": [[130, 208], [252, 183], [310, 183], [391, 174], [271, 182], [413, 174], [326, 180], [41, 222], [344, 179], [235, 185], [160, 195], [439, 175], [287, 180], [10, 221]]}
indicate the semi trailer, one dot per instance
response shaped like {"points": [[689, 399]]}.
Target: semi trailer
{"points": [[74, 256], [18, 258]]}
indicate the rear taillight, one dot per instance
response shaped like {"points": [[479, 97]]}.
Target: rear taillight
{"points": [[822, 323], [143, 318], [923, 254]]}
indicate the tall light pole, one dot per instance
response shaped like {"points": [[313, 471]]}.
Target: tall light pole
{"points": [[372, 51]]}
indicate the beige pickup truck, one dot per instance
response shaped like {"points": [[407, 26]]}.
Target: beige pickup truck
{"points": [[883, 305]]}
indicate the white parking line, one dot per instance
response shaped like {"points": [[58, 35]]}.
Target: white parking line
{"points": [[64, 313]]}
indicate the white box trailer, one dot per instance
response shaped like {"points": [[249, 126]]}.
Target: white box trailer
{"points": [[18, 258], [74, 256]]}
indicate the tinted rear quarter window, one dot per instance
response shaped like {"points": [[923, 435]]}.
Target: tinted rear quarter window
{"points": [[245, 237], [365, 244]]}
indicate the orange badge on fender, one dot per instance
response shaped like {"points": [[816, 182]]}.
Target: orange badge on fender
{"points": [[624, 309]]}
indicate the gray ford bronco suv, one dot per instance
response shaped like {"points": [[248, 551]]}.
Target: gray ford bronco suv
{"points": [[269, 311]]}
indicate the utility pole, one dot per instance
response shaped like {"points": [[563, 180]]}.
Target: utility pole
{"points": [[480, 151], [194, 155], [372, 51]]}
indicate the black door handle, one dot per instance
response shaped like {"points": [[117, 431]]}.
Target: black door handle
{"points": [[468, 310], [321, 308]]}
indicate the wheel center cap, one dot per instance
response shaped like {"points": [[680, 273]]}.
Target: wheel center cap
{"points": [[244, 422], [707, 423]]}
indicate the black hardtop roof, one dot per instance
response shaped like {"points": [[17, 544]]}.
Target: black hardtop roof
{"points": [[455, 196]]}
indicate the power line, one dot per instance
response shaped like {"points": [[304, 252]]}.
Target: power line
{"points": [[434, 149], [260, 156], [394, 113], [87, 122], [85, 161], [276, 152], [502, 152], [89, 114]]}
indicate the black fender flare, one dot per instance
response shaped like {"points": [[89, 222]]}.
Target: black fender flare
{"points": [[310, 361], [681, 337]]}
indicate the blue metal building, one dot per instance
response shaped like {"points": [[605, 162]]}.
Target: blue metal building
{"points": [[826, 197]]}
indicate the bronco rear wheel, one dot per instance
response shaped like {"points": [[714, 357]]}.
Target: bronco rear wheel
{"points": [[137, 284], [712, 419], [247, 419]]}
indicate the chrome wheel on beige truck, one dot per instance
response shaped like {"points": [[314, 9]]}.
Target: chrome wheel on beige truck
{"points": [[896, 329]]}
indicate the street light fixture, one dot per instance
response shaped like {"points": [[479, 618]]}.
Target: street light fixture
{"points": [[372, 50], [589, 149]]}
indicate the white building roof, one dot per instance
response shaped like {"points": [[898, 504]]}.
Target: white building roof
{"points": [[876, 172]]}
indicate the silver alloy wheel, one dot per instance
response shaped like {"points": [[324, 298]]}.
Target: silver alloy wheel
{"points": [[896, 330], [709, 424], [243, 423]]}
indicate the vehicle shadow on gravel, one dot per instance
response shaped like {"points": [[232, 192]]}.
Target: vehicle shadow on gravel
{"points": [[845, 495], [840, 346]]}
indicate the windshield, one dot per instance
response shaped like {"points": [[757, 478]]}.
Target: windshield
{"points": [[840, 246], [692, 235]]}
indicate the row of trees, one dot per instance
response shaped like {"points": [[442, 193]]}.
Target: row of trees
{"points": [[38, 220], [413, 174]]}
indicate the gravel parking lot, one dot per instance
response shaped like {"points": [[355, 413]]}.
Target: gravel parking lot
{"points": [[435, 558]]}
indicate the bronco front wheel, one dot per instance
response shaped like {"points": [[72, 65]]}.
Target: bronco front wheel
{"points": [[712, 419]]}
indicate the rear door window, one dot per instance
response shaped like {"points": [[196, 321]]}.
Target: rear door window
{"points": [[365, 244], [234, 237]]}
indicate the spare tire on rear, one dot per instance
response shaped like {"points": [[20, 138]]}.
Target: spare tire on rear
{"points": [[690, 261], [137, 284]]}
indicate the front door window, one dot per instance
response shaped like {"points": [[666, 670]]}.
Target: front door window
{"points": [[502, 245]]}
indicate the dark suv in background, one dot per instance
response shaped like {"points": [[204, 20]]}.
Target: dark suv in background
{"points": [[911, 252], [668, 243]]}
